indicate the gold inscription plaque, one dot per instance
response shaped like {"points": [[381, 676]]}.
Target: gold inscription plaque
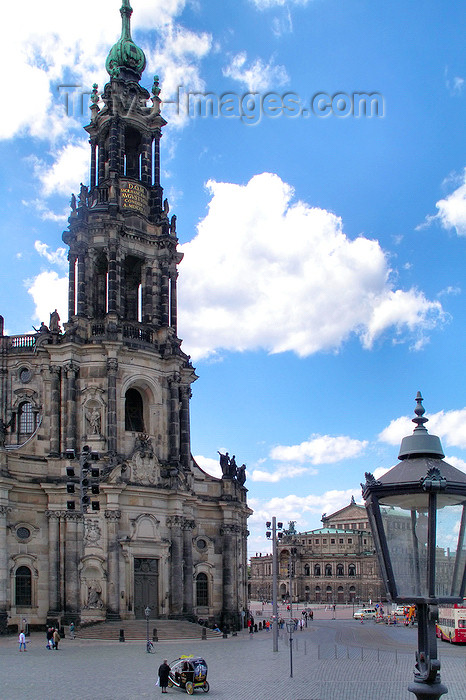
{"points": [[133, 196]]}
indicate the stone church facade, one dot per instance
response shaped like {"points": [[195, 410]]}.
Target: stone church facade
{"points": [[103, 510]]}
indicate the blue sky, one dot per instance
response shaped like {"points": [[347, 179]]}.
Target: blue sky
{"points": [[323, 278]]}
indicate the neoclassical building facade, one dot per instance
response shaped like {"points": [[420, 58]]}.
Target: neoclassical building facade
{"points": [[332, 564], [103, 510]]}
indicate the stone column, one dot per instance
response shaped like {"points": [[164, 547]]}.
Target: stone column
{"points": [[185, 438], [173, 303], [188, 569], [175, 523], [82, 303], [93, 164], [164, 298], [146, 160], [4, 574], [174, 428], [71, 285], [55, 411], [54, 562], [112, 368], [113, 562], [73, 546], [71, 369], [147, 307], [112, 279], [101, 163], [114, 156]]}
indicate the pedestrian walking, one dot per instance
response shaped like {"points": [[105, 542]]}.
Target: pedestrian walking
{"points": [[71, 630], [22, 641], [164, 670], [50, 638], [56, 638]]}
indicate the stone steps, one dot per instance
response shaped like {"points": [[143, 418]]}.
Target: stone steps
{"points": [[167, 630]]}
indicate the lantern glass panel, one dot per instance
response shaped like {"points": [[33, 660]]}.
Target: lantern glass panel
{"points": [[406, 531]]}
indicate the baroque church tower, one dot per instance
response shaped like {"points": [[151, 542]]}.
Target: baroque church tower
{"points": [[103, 510]]}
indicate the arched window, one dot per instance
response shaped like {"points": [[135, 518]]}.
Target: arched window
{"points": [[134, 419], [307, 569], [328, 570], [340, 570], [317, 570], [351, 570], [202, 590], [23, 582], [26, 418]]}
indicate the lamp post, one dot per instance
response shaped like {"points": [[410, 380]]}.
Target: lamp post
{"points": [[147, 614], [290, 628], [274, 531], [414, 510]]}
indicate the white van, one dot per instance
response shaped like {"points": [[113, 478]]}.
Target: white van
{"points": [[365, 613]]}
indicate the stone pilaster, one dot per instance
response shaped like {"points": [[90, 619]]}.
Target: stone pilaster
{"points": [[71, 369], [188, 598], [185, 431], [113, 562], [55, 605], [4, 602], [174, 429], [73, 553], [230, 616], [55, 411], [112, 369], [176, 598]]}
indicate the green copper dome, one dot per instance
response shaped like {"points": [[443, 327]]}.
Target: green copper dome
{"points": [[125, 60]]}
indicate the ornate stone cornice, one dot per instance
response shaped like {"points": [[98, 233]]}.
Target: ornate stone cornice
{"points": [[175, 521], [113, 514], [188, 524], [72, 515], [71, 367], [55, 514], [112, 364], [230, 529]]}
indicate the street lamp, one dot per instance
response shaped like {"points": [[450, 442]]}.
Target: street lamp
{"points": [[415, 510], [290, 628], [274, 532], [147, 614]]}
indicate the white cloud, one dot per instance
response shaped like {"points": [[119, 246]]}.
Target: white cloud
{"points": [[258, 76], [320, 449], [264, 272], [450, 426], [452, 209], [55, 257], [456, 462], [209, 465], [49, 292], [299, 508], [69, 169], [284, 472], [266, 4]]}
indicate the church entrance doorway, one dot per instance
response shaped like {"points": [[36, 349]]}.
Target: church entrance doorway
{"points": [[146, 587]]}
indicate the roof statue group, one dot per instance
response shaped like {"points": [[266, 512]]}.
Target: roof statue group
{"points": [[230, 470]]}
